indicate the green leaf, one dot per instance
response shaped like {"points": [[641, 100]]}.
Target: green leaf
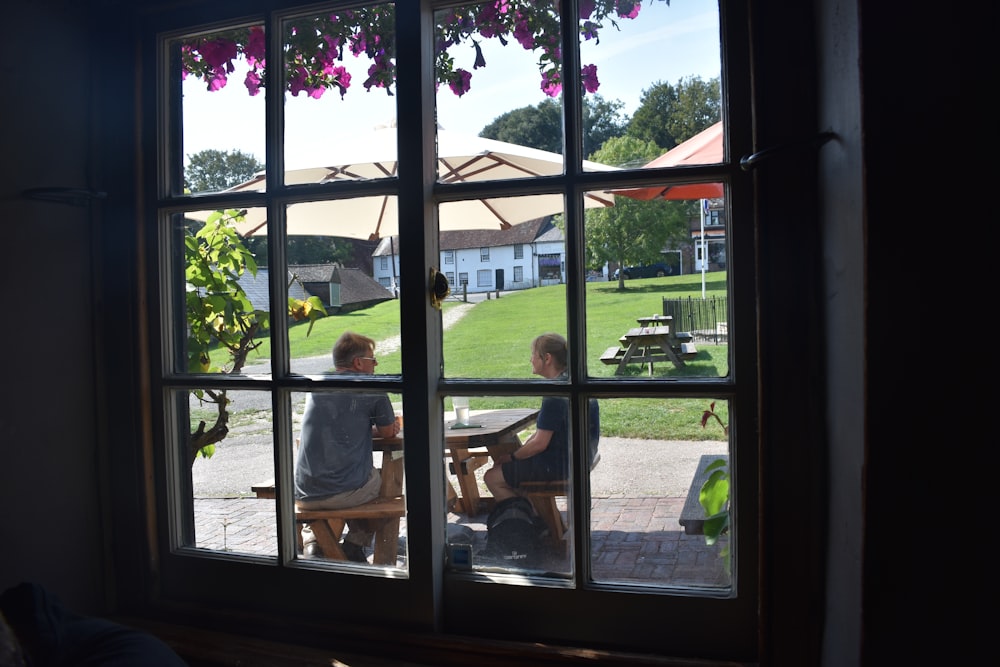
{"points": [[714, 494]]}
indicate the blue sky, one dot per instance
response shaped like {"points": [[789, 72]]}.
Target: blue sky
{"points": [[664, 44]]}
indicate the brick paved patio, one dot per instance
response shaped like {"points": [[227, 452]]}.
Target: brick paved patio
{"points": [[634, 540]]}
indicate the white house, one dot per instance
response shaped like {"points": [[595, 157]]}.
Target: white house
{"points": [[530, 254]]}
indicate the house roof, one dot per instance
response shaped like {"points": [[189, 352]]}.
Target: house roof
{"points": [[313, 273], [523, 233], [257, 290], [355, 286]]}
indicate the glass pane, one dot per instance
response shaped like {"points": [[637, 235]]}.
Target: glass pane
{"points": [[653, 308], [498, 275], [340, 80], [654, 72], [503, 514], [222, 135], [494, 70], [232, 474], [647, 524], [220, 295], [349, 459], [341, 283]]}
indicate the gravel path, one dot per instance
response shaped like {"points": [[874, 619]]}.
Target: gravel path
{"points": [[323, 363]]}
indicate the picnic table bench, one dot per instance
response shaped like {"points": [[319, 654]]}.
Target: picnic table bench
{"points": [[693, 514], [650, 344]]}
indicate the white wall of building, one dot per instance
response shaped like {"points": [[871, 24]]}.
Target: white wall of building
{"points": [[518, 272]]}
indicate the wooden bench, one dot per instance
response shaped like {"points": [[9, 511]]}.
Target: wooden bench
{"points": [[683, 337], [693, 514], [543, 498], [612, 355], [687, 351], [328, 527]]}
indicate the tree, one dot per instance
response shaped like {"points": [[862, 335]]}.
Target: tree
{"points": [[222, 324], [631, 231], [307, 250], [668, 115], [540, 126], [211, 170]]}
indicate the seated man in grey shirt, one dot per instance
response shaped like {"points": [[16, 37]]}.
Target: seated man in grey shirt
{"points": [[334, 468]]}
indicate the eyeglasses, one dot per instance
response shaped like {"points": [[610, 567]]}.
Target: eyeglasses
{"points": [[374, 360]]}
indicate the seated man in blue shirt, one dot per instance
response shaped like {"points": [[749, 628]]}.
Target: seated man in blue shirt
{"points": [[334, 468], [545, 455]]}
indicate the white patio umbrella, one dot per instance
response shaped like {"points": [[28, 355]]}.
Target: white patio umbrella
{"points": [[460, 158]]}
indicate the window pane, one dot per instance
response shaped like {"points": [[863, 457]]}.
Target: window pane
{"points": [[484, 76], [339, 81], [657, 73], [490, 526], [229, 515], [659, 315], [647, 524], [219, 295], [345, 284], [222, 137], [341, 466], [487, 255]]}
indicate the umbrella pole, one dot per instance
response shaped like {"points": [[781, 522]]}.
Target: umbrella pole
{"points": [[704, 248], [392, 260]]}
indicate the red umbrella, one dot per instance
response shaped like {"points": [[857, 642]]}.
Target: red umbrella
{"points": [[703, 148]]}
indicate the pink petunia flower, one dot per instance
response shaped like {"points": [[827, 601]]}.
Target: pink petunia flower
{"points": [[588, 76], [255, 49], [460, 82], [252, 82]]}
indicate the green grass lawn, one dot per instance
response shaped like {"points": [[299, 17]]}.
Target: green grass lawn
{"points": [[493, 340]]}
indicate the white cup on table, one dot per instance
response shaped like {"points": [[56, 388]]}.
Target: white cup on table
{"points": [[461, 404]]}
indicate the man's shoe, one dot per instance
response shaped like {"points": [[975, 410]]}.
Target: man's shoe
{"points": [[354, 552], [312, 550]]}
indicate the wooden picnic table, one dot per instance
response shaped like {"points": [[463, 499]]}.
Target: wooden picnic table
{"points": [[644, 345], [490, 433], [656, 321]]}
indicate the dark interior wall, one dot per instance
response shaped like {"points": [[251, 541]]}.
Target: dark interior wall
{"points": [[51, 527], [925, 81]]}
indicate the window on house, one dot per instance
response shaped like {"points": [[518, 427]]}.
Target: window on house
{"points": [[518, 251], [620, 410], [450, 275]]}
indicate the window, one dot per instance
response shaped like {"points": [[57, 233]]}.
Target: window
{"points": [[639, 371]]}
